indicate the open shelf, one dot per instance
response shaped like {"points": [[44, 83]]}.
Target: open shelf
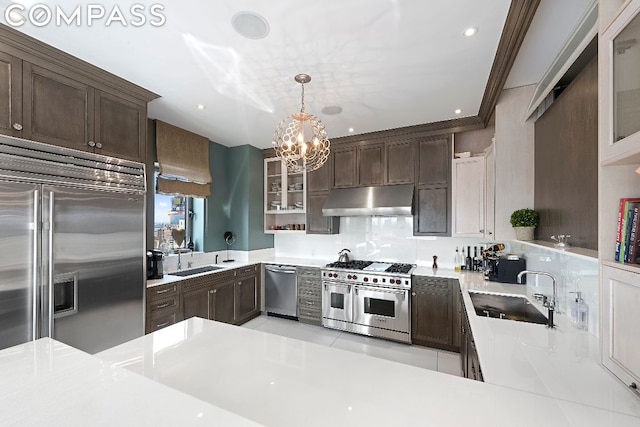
{"points": [[632, 268]]}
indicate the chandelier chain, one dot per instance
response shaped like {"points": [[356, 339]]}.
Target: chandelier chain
{"points": [[302, 105]]}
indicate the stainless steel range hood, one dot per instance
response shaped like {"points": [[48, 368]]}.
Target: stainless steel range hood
{"points": [[385, 200]]}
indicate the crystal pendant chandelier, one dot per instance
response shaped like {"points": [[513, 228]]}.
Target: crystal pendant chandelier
{"points": [[301, 139]]}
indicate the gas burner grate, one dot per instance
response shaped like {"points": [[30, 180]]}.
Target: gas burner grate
{"points": [[350, 265], [399, 268]]}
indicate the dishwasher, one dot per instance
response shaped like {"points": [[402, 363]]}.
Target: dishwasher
{"points": [[281, 291]]}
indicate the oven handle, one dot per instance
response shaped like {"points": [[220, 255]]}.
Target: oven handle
{"points": [[336, 284], [385, 290]]}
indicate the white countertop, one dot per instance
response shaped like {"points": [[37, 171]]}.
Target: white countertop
{"points": [[47, 383], [563, 363], [279, 381]]}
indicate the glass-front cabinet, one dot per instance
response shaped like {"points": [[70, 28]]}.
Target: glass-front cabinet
{"points": [[620, 94], [618, 177], [284, 196]]}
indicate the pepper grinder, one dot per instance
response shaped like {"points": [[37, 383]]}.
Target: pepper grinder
{"points": [[435, 261]]}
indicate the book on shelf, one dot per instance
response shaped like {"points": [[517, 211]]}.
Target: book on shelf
{"points": [[621, 234], [628, 228], [634, 238]]}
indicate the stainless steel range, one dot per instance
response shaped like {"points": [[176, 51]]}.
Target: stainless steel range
{"points": [[368, 298]]}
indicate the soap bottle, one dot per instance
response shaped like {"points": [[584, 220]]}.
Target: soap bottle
{"points": [[456, 260], [579, 312]]}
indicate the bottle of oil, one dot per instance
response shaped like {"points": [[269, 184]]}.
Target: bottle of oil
{"points": [[456, 260]]}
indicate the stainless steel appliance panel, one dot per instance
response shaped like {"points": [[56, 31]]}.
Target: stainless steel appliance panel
{"points": [[281, 290], [337, 302], [18, 269], [381, 308], [94, 266]]}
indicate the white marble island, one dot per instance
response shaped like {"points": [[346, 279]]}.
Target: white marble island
{"points": [[278, 381]]}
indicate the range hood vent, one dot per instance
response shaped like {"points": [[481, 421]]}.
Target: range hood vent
{"points": [[385, 200]]}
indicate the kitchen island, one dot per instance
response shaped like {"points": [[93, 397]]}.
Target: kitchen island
{"points": [[200, 372]]}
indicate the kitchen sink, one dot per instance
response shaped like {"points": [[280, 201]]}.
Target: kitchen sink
{"points": [[204, 269], [510, 307]]}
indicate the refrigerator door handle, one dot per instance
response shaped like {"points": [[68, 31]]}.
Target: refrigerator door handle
{"points": [[35, 263], [50, 264]]}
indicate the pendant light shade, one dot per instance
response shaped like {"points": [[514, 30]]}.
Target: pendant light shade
{"points": [[301, 139]]}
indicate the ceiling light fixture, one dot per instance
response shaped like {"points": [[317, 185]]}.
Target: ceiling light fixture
{"points": [[351, 129], [331, 110], [200, 107], [458, 111], [300, 139], [471, 31]]}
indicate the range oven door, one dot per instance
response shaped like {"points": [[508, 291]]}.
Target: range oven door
{"points": [[382, 308], [337, 304]]}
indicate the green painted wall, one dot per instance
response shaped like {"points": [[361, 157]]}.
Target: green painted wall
{"points": [[216, 206], [236, 200]]}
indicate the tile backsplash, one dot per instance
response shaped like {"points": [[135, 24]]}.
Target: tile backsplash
{"points": [[378, 238], [392, 239]]}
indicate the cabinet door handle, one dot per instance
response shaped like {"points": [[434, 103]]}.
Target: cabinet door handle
{"points": [[166, 304], [481, 231], [163, 291], [17, 126], [91, 144], [239, 283], [98, 145], [163, 324], [413, 294], [214, 291]]}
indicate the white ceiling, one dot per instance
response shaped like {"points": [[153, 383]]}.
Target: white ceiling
{"points": [[387, 63]]}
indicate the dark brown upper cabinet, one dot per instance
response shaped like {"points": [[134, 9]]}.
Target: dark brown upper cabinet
{"points": [[345, 166], [57, 109], [120, 127], [432, 216], [10, 95], [400, 168], [51, 97], [318, 186], [371, 164], [358, 164]]}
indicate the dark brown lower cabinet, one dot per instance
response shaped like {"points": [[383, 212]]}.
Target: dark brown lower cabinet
{"points": [[230, 296], [434, 312], [469, 361], [246, 299], [221, 304]]}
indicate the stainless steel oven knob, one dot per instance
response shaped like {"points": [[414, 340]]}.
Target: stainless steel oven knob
{"points": [[375, 280], [366, 279], [349, 277], [355, 277], [392, 281]]}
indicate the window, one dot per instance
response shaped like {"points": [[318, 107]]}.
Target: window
{"points": [[170, 213]]}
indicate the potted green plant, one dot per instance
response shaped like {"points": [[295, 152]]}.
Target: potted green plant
{"points": [[524, 221]]}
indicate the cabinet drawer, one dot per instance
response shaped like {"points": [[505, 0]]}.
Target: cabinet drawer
{"points": [[309, 316], [195, 283], [309, 292], [170, 303], [161, 320], [162, 291], [311, 303], [249, 270], [432, 282], [308, 272]]}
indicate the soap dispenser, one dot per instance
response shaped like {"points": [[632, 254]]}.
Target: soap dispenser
{"points": [[579, 312]]}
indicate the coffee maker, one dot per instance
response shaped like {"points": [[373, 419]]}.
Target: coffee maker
{"points": [[154, 264]]}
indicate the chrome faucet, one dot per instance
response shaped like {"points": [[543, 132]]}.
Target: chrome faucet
{"points": [[551, 305], [179, 263]]}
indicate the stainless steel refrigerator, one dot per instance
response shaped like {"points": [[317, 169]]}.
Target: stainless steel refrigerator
{"points": [[71, 246]]}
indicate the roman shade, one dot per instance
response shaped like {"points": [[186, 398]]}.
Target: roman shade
{"points": [[183, 157]]}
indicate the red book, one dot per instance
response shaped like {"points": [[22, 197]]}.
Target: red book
{"points": [[622, 213]]}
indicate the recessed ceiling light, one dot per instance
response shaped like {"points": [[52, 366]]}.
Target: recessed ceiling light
{"points": [[250, 25], [351, 129], [458, 111], [200, 107], [332, 110], [470, 31]]}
